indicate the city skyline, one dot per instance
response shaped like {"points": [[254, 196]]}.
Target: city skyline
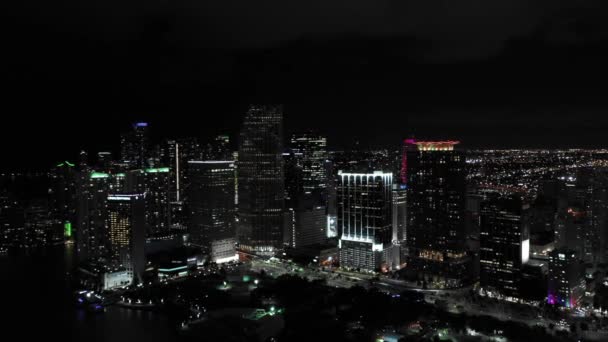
{"points": [[480, 132], [319, 170], [446, 227]]}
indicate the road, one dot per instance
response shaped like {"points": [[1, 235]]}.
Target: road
{"points": [[454, 300]]}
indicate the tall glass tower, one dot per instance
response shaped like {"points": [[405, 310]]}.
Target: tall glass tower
{"points": [[211, 208], [261, 180], [435, 173], [134, 145]]}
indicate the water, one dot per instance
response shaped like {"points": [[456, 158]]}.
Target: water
{"points": [[37, 302]]}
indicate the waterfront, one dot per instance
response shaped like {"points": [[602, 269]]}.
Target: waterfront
{"points": [[38, 303]]}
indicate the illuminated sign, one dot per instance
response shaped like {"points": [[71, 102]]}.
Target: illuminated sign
{"points": [[95, 175], [67, 229], [157, 170]]}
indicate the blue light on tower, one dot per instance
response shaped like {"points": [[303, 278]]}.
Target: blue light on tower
{"points": [[141, 124]]}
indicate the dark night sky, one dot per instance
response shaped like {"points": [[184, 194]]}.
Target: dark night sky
{"points": [[502, 73]]}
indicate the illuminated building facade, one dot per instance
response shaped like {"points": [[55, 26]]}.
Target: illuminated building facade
{"points": [[409, 145], [305, 226], [92, 241], [169, 153], [364, 218], [63, 192], [310, 152], [157, 198], [261, 180], [155, 183], [126, 228], [134, 145], [504, 244], [399, 213], [436, 183], [211, 208], [305, 217], [175, 153], [566, 279], [218, 149]]}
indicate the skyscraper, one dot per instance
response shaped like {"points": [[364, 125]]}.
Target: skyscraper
{"points": [[63, 194], [176, 154], [364, 218], [169, 153], [504, 244], [310, 152], [566, 278], [435, 177], [261, 180], [92, 240], [134, 145], [218, 149], [126, 227], [155, 184], [104, 160], [399, 213], [211, 208], [306, 214]]}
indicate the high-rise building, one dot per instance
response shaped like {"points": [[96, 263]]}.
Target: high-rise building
{"points": [[91, 235], [364, 218], [306, 213], [134, 145], [435, 177], [63, 195], [332, 207], [92, 239], [176, 154], [504, 244], [155, 184], [409, 146], [104, 160], [126, 228], [584, 227], [261, 180], [218, 149], [399, 213], [566, 278], [211, 208], [310, 153], [168, 156], [305, 226]]}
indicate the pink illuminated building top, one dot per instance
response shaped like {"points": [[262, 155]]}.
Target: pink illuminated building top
{"points": [[447, 145], [408, 144]]}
